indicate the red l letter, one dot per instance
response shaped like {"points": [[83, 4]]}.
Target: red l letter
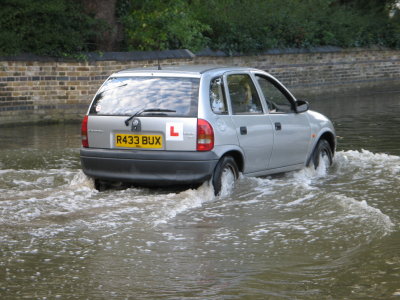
{"points": [[172, 132]]}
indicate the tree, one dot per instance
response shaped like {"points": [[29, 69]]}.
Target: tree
{"points": [[159, 25], [68, 27], [104, 10], [44, 27], [370, 5]]}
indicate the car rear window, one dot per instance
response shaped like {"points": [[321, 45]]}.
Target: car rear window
{"points": [[129, 95]]}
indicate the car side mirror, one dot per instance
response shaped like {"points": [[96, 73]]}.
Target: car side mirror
{"points": [[302, 106]]}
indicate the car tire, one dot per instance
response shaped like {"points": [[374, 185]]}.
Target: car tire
{"points": [[323, 149], [101, 185], [225, 167]]}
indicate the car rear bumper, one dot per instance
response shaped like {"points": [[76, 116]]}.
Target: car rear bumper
{"points": [[158, 168]]}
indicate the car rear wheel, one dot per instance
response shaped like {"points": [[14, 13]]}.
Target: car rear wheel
{"points": [[101, 185], [225, 175], [322, 151]]}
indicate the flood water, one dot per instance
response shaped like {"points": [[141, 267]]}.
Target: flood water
{"points": [[324, 234]]}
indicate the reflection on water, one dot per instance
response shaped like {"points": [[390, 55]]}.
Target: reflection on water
{"points": [[311, 234], [368, 121]]}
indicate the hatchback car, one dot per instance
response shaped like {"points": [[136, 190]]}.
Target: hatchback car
{"points": [[186, 125]]}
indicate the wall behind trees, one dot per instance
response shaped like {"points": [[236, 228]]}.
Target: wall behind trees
{"points": [[34, 89]]}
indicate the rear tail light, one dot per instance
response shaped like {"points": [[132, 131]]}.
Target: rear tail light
{"points": [[84, 131], [205, 136]]}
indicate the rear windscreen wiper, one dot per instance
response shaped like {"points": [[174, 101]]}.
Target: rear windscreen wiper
{"points": [[145, 111]]}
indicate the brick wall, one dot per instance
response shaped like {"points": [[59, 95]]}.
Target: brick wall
{"points": [[38, 90]]}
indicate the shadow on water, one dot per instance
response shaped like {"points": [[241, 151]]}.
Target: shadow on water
{"points": [[310, 234]]}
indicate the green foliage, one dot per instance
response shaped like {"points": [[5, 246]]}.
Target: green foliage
{"points": [[62, 28], [243, 26], [44, 27], [159, 25]]}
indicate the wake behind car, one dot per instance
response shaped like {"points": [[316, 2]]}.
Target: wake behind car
{"points": [[189, 124]]}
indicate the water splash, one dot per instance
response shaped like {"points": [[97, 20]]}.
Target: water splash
{"points": [[173, 204], [367, 161], [369, 216], [44, 196]]}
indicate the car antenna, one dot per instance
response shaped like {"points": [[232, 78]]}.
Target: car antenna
{"points": [[158, 62], [158, 55]]}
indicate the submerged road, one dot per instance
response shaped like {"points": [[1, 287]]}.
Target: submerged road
{"points": [[311, 234]]}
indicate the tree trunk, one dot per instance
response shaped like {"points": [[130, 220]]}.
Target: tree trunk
{"points": [[104, 10]]}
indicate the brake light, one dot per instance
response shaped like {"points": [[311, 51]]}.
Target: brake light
{"points": [[205, 136], [84, 131]]}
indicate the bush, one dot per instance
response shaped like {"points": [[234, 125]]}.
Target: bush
{"points": [[45, 27], [61, 27], [160, 25], [243, 26]]}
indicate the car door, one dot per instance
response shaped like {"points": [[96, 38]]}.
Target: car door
{"points": [[291, 130], [253, 126]]}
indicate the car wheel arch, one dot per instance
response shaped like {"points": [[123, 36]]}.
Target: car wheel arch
{"points": [[238, 157]]}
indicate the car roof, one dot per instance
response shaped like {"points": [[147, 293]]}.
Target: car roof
{"points": [[194, 70]]}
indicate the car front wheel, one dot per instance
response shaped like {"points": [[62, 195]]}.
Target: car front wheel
{"points": [[322, 151], [225, 175]]}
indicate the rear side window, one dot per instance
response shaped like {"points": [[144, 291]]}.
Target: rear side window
{"points": [[217, 96], [128, 95], [243, 94]]}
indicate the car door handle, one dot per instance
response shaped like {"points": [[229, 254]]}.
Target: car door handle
{"points": [[278, 126], [243, 130]]}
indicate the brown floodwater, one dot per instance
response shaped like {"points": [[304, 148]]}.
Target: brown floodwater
{"points": [[324, 234]]}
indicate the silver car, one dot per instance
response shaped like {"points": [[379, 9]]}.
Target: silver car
{"points": [[186, 125]]}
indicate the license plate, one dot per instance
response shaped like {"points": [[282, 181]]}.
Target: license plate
{"points": [[138, 141]]}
